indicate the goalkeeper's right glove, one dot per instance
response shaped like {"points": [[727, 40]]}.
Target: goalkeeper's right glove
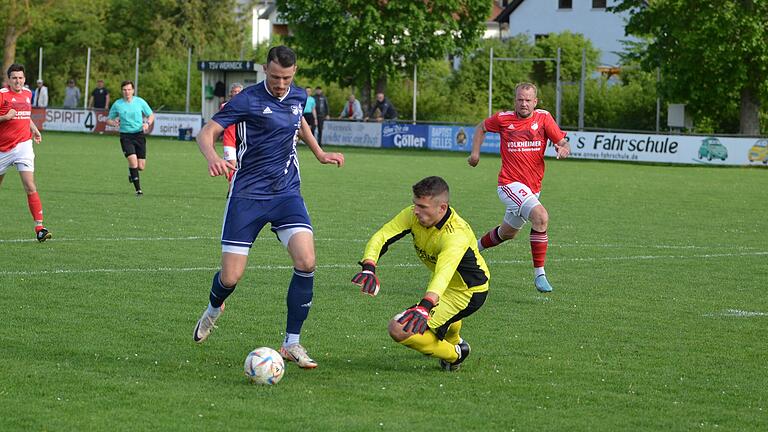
{"points": [[367, 280]]}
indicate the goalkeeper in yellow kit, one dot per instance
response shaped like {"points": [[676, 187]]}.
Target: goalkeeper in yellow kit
{"points": [[446, 244]]}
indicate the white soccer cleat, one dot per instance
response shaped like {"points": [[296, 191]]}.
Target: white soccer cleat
{"points": [[297, 354], [205, 325]]}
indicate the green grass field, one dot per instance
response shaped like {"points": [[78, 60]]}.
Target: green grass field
{"points": [[658, 320]]}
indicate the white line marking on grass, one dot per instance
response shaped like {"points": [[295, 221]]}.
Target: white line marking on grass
{"points": [[737, 313], [329, 266], [149, 239], [269, 237]]}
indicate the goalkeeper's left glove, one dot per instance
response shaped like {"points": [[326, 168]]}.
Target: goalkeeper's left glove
{"points": [[415, 319]]}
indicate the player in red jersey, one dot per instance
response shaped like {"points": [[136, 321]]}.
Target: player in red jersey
{"points": [[230, 147], [524, 135], [17, 131]]}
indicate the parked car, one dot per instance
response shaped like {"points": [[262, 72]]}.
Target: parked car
{"points": [[759, 152], [712, 148]]}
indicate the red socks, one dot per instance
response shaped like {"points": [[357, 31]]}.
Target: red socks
{"points": [[491, 238], [35, 207], [539, 241]]}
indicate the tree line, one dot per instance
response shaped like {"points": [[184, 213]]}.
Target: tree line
{"points": [[713, 60]]}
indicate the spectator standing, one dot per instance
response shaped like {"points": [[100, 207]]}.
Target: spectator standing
{"points": [[17, 132], [352, 109], [40, 98], [321, 108], [385, 108], [71, 95], [310, 114], [99, 97]]}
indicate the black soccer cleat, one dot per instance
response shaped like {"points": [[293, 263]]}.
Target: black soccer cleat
{"points": [[43, 235], [464, 349], [139, 193]]}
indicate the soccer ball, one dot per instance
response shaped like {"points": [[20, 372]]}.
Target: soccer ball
{"points": [[264, 366]]}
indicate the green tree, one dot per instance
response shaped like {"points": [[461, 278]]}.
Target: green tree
{"points": [[19, 17], [163, 30], [363, 42], [571, 46], [711, 54]]}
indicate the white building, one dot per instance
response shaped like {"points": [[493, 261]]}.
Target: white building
{"points": [[537, 18]]}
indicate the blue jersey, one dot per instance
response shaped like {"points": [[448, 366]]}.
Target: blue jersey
{"points": [[266, 134]]}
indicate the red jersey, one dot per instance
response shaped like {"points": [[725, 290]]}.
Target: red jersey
{"points": [[17, 129], [523, 142], [229, 133]]}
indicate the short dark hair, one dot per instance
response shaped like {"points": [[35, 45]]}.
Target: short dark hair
{"points": [[15, 68], [430, 187], [281, 55], [126, 82]]}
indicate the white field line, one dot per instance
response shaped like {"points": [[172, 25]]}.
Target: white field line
{"points": [[737, 313], [352, 265], [269, 237]]}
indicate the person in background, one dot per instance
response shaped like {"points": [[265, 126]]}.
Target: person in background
{"points": [[321, 109], [385, 109], [40, 98], [133, 116], [352, 109], [310, 114], [99, 97], [229, 142], [71, 95]]}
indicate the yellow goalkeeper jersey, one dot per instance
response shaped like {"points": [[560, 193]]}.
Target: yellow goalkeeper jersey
{"points": [[448, 249]]}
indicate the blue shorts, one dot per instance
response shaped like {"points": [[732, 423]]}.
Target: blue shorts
{"points": [[244, 218]]}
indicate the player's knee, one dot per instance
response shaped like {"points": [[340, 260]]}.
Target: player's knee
{"points": [[396, 332], [539, 218], [230, 278], [305, 263]]}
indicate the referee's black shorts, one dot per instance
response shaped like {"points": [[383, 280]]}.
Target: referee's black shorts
{"points": [[134, 144]]}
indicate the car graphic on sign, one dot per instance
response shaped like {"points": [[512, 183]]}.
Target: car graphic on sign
{"points": [[712, 148], [759, 152]]}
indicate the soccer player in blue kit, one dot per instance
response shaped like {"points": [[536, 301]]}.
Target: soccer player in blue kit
{"points": [[265, 189]]}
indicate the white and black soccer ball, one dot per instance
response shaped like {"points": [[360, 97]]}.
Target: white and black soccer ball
{"points": [[264, 366]]}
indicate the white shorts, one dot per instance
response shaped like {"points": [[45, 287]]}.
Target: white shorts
{"points": [[519, 201], [22, 156]]}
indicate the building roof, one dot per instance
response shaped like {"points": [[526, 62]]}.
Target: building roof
{"points": [[503, 17]]}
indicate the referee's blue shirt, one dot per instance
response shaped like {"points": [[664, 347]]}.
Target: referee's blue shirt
{"points": [[131, 114], [266, 134]]}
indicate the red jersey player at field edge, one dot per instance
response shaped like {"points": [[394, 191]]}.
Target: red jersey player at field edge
{"points": [[17, 131], [230, 146], [524, 135]]}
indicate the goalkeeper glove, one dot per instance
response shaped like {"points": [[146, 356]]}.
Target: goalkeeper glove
{"points": [[415, 319], [367, 280]]}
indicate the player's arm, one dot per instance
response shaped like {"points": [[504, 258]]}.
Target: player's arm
{"points": [[377, 246], [305, 133], [36, 135], [557, 136], [113, 118], [563, 148], [10, 114], [477, 142], [206, 140]]}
